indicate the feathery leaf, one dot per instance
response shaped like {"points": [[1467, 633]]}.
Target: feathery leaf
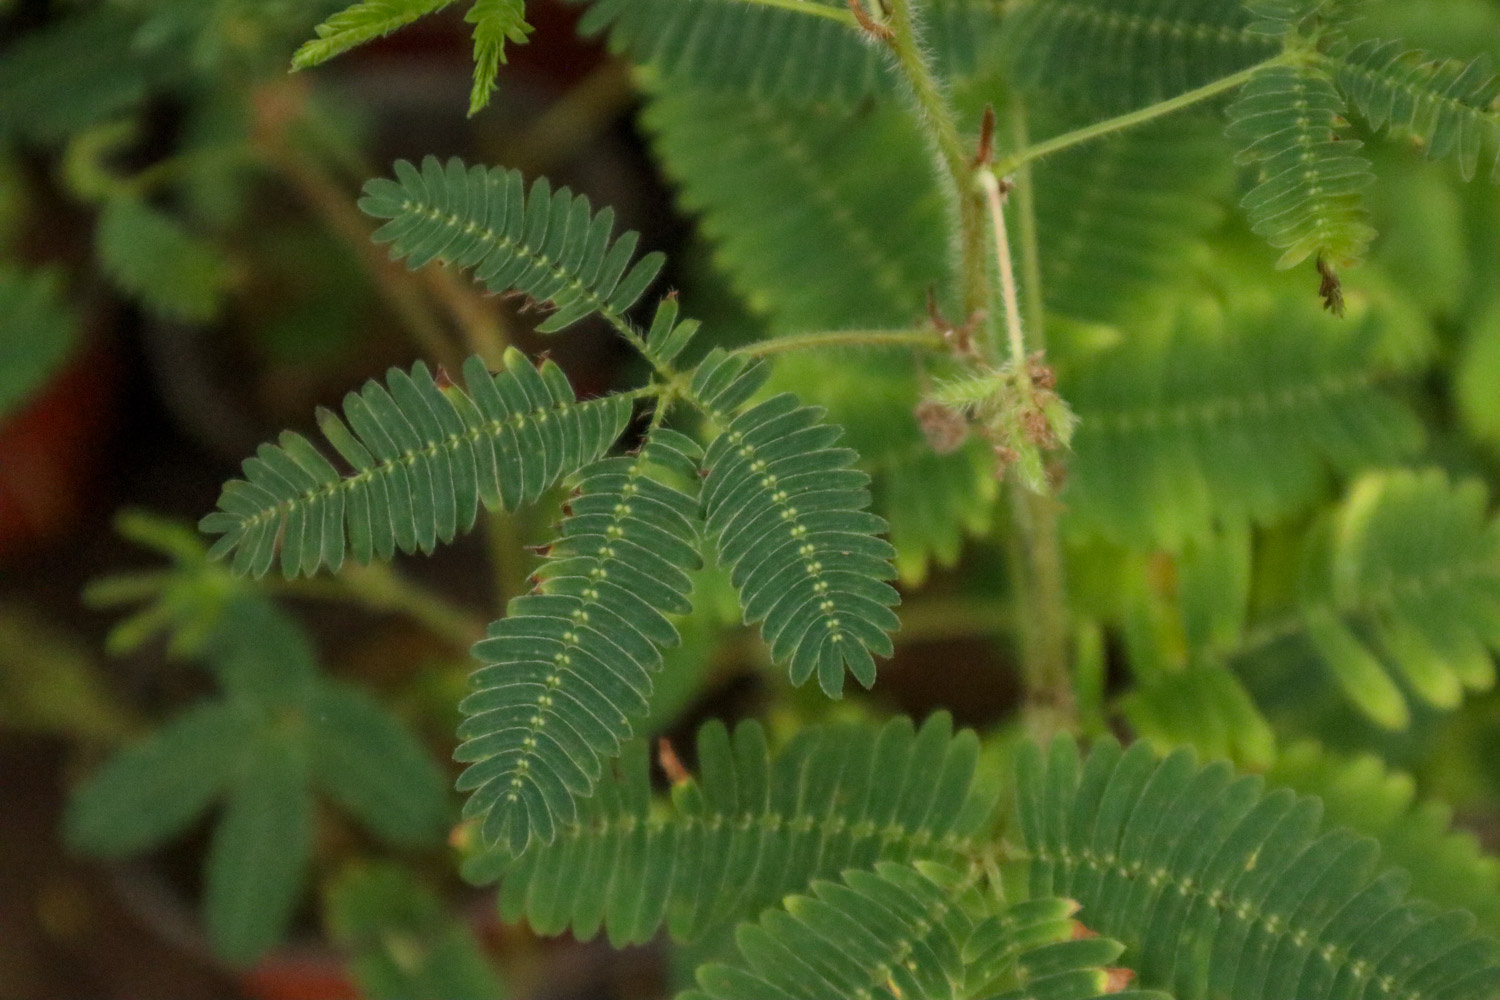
{"points": [[1231, 418], [495, 23], [1307, 199], [787, 516], [1446, 104], [1122, 54], [572, 661], [1223, 890], [751, 827], [424, 459], [764, 51], [1447, 864], [546, 244], [1410, 561]]}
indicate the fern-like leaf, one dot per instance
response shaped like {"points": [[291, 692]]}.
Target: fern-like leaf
{"points": [[773, 51], [424, 457], [818, 220], [751, 827], [1446, 104], [1226, 422], [923, 930], [897, 931], [1307, 199], [495, 23], [1223, 890], [1119, 54], [573, 660], [1412, 562], [1117, 219], [1447, 864], [547, 244], [787, 516]]}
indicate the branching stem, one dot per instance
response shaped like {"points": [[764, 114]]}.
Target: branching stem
{"points": [[1041, 589], [1029, 154], [927, 340]]}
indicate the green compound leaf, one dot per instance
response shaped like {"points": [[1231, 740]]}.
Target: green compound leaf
{"points": [[923, 930], [495, 23], [820, 220], [402, 943], [369, 763], [897, 931], [751, 827], [787, 516], [425, 457], [1117, 220], [572, 662], [1446, 104], [804, 55], [1409, 566], [548, 244], [1121, 54], [151, 257], [153, 790], [1223, 890], [1360, 792], [1307, 201], [260, 851], [1232, 418]]}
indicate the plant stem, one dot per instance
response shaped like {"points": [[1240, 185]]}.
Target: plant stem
{"points": [[1088, 133], [1014, 332], [838, 14], [381, 588], [1037, 554], [920, 339], [936, 117], [1024, 192]]}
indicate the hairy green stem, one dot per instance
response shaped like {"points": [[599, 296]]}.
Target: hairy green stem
{"points": [[921, 339], [936, 117], [812, 7], [1029, 154]]}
